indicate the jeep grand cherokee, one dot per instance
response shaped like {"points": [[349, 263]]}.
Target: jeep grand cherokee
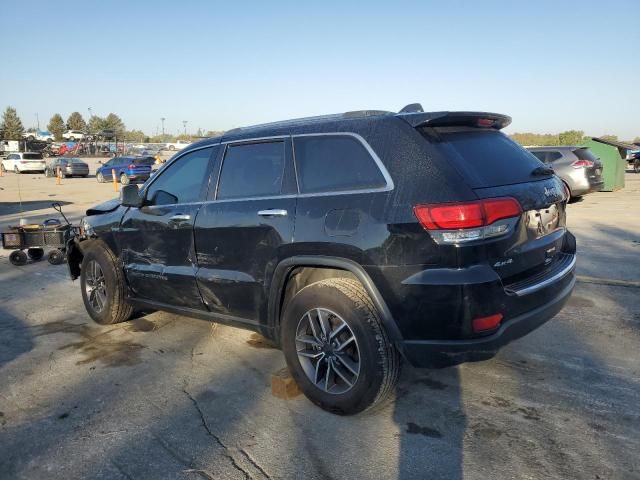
{"points": [[351, 240]]}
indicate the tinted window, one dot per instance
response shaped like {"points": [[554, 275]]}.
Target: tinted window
{"points": [[252, 170], [32, 156], [335, 163], [485, 158], [184, 179], [553, 156], [585, 154], [540, 156], [144, 161]]}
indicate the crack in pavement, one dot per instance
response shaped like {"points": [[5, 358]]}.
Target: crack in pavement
{"points": [[187, 462], [226, 453]]}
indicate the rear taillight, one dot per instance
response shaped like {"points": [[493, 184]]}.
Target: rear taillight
{"points": [[464, 222], [131, 166], [582, 163], [484, 324], [486, 122]]}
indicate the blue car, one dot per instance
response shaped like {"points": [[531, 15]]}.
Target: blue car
{"points": [[127, 169]]}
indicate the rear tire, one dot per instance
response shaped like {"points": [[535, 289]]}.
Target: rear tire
{"points": [[100, 177], [103, 287], [361, 374], [16, 170], [636, 166], [124, 180]]}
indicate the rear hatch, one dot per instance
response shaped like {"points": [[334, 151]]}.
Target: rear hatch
{"points": [[32, 161], [494, 166], [141, 165], [591, 164]]}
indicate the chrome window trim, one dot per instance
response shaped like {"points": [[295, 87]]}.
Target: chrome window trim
{"points": [[381, 167], [240, 141]]}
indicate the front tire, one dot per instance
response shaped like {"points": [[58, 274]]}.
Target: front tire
{"points": [[18, 258], [103, 287], [16, 169], [336, 347]]}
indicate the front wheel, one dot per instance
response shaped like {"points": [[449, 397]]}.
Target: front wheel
{"points": [[336, 347], [16, 169], [103, 287], [18, 258]]}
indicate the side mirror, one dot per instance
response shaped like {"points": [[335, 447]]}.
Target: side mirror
{"points": [[130, 196], [164, 198]]}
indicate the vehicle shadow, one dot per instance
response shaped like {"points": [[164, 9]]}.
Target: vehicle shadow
{"points": [[10, 208], [15, 337]]}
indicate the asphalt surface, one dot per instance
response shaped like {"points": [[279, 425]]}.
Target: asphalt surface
{"points": [[167, 397]]}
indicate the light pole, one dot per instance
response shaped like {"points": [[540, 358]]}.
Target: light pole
{"points": [[38, 121], [162, 120], [184, 124]]}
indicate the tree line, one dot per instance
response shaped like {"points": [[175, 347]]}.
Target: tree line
{"points": [[11, 128]]}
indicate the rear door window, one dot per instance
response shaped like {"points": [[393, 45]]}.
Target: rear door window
{"points": [[32, 156], [333, 163], [252, 170], [484, 158]]}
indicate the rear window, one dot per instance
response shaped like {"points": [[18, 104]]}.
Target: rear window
{"points": [[32, 156], [331, 163], [144, 161], [485, 158], [585, 154]]}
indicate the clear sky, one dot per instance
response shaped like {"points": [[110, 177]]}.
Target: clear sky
{"points": [[551, 65]]}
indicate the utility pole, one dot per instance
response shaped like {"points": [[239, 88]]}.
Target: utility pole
{"points": [[184, 123], [162, 120]]}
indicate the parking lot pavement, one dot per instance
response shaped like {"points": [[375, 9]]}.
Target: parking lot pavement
{"points": [[170, 397]]}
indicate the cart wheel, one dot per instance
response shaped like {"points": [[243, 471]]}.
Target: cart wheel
{"points": [[18, 258], [56, 257], [35, 254]]}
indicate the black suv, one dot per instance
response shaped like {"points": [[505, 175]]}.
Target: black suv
{"points": [[350, 240]]}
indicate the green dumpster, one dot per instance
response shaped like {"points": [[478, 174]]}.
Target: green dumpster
{"points": [[612, 154]]}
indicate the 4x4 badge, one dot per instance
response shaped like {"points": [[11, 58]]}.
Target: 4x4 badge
{"points": [[503, 263]]}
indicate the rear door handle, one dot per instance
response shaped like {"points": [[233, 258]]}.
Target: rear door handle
{"points": [[180, 218], [273, 212]]}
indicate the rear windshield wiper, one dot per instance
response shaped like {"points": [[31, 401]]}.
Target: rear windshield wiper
{"points": [[542, 170]]}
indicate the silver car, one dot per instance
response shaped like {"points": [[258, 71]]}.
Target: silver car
{"points": [[578, 167]]}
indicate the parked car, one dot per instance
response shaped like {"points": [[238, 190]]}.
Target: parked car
{"points": [[107, 134], [428, 236], [127, 169], [578, 167], [177, 145], [73, 135], [69, 167], [23, 162], [42, 135]]}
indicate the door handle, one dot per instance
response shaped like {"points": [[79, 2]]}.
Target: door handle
{"points": [[180, 218], [273, 212]]}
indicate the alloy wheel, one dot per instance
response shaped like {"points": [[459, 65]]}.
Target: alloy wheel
{"points": [[95, 286], [328, 351]]}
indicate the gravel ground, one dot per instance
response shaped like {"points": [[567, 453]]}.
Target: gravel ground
{"points": [[170, 397]]}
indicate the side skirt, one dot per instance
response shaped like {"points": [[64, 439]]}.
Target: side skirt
{"points": [[229, 320]]}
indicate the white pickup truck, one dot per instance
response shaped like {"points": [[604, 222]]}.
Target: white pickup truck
{"points": [[177, 145]]}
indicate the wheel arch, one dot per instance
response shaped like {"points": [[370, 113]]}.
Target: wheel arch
{"points": [[281, 290]]}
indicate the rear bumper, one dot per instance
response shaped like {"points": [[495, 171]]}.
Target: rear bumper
{"points": [[443, 353]]}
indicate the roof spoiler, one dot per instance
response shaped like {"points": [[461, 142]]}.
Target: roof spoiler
{"points": [[455, 119]]}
